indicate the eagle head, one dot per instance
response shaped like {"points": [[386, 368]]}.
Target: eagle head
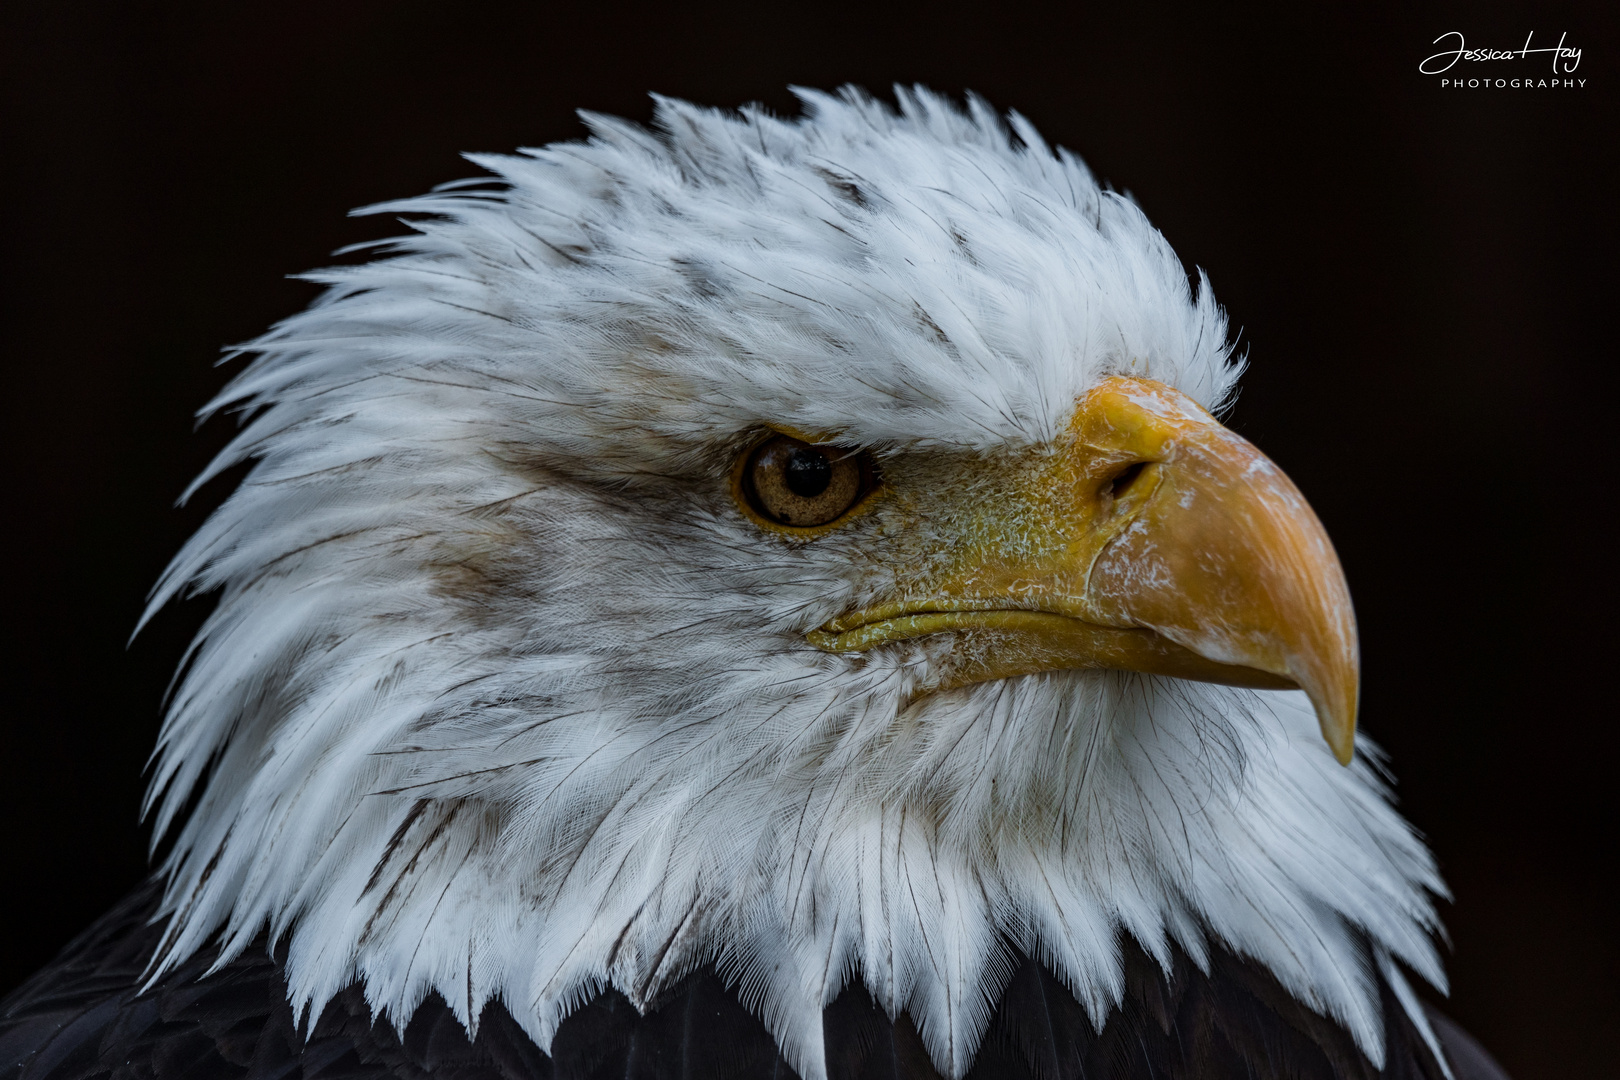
{"points": [[804, 547]]}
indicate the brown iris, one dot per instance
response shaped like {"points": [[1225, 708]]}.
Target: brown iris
{"points": [[802, 485]]}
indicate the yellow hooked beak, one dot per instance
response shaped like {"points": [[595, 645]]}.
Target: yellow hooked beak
{"points": [[1153, 539]]}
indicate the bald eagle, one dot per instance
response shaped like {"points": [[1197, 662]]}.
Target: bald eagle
{"points": [[759, 598]]}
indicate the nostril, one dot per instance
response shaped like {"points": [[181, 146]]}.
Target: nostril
{"points": [[1125, 479]]}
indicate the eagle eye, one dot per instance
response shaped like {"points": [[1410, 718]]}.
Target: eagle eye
{"points": [[801, 485]]}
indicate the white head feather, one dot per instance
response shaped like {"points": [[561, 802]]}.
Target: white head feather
{"points": [[503, 697]]}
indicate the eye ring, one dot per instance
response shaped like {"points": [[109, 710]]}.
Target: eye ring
{"points": [[801, 487]]}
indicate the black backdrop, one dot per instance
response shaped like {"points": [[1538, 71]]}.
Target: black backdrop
{"points": [[1415, 270]]}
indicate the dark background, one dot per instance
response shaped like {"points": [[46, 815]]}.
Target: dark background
{"points": [[1417, 272]]}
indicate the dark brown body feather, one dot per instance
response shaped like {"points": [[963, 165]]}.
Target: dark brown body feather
{"points": [[84, 1018]]}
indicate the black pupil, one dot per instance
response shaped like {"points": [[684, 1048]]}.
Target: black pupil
{"points": [[808, 472]]}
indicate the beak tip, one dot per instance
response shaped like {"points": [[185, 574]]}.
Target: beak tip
{"points": [[1335, 696], [1339, 732]]}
